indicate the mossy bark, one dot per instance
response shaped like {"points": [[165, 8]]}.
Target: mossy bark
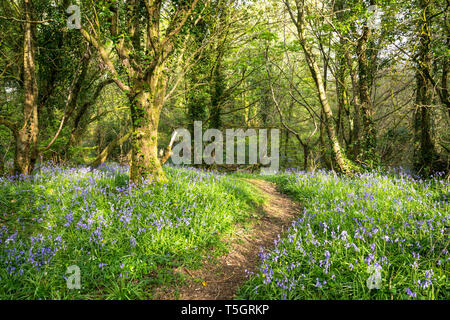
{"points": [[366, 59], [356, 124], [424, 149], [146, 104], [26, 137]]}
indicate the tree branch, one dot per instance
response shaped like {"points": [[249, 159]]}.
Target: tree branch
{"points": [[27, 21], [106, 60]]}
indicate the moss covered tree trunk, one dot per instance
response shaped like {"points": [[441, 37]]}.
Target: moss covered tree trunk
{"points": [[145, 113], [423, 144], [368, 150], [26, 136], [356, 107]]}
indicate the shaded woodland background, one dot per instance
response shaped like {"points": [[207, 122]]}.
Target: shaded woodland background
{"points": [[345, 95]]}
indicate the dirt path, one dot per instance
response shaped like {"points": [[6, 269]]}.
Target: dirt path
{"points": [[220, 281]]}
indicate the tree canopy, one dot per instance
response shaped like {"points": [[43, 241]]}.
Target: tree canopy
{"points": [[349, 84]]}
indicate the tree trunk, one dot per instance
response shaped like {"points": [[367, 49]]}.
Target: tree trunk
{"points": [[327, 161], [423, 143], [340, 87], [342, 53], [444, 82], [145, 112], [444, 79], [356, 108], [217, 90], [368, 152], [305, 156], [26, 138]]}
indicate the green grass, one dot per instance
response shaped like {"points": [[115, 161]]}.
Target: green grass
{"points": [[350, 227], [126, 241]]}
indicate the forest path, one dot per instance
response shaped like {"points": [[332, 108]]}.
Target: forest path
{"points": [[219, 281]]}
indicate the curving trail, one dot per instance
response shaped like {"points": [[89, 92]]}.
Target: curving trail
{"points": [[221, 280]]}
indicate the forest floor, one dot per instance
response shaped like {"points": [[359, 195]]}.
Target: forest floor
{"points": [[220, 279], [324, 236]]}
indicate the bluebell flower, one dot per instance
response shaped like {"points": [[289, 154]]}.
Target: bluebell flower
{"points": [[410, 293]]}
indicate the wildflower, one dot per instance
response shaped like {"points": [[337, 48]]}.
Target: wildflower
{"points": [[318, 284], [410, 293], [133, 241]]}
